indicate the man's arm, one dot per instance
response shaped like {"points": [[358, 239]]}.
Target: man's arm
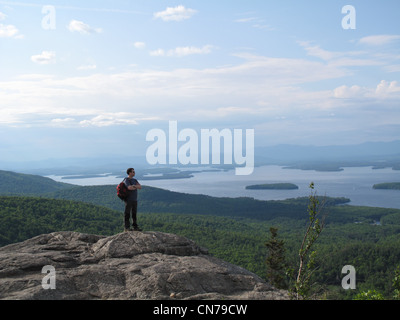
{"points": [[137, 185]]}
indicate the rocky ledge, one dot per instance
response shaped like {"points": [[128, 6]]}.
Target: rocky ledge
{"points": [[132, 265]]}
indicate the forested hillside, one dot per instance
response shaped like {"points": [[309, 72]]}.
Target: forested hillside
{"points": [[12, 183], [235, 230], [164, 201], [22, 218]]}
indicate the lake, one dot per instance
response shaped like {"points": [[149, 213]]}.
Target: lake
{"points": [[354, 183]]}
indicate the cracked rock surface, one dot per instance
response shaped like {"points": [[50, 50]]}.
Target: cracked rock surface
{"points": [[131, 265]]}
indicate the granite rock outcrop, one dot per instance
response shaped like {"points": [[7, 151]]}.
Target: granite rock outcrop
{"points": [[131, 265]]}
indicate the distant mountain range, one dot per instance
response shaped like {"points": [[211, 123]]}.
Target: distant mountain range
{"points": [[325, 158], [367, 151]]}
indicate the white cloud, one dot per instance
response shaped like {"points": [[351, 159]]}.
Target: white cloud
{"points": [[316, 51], [234, 111], [105, 119], [178, 13], [345, 92], [157, 53], [257, 23], [88, 67], [9, 31], [182, 51], [62, 122], [244, 20], [384, 90], [82, 28], [345, 58], [110, 119], [392, 68], [263, 26], [257, 89], [139, 45], [379, 40], [46, 57]]}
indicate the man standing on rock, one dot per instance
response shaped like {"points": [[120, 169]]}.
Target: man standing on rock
{"points": [[131, 202]]}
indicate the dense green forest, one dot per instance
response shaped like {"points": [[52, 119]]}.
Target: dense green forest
{"points": [[12, 183], [22, 218], [155, 200], [235, 230]]}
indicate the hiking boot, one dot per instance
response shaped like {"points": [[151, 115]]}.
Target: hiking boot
{"points": [[137, 229], [128, 229]]}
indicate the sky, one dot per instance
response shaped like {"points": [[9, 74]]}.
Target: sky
{"points": [[91, 78]]}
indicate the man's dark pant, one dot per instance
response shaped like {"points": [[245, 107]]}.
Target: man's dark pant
{"points": [[130, 207]]}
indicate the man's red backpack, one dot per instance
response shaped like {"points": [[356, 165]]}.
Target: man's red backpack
{"points": [[122, 191]]}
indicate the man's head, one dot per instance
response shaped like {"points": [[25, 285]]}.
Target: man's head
{"points": [[130, 172]]}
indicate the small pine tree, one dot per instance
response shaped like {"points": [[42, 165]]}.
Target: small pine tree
{"points": [[275, 261]]}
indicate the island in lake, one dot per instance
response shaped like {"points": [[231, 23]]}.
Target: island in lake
{"points": [[389, 185], [273, 186]]}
